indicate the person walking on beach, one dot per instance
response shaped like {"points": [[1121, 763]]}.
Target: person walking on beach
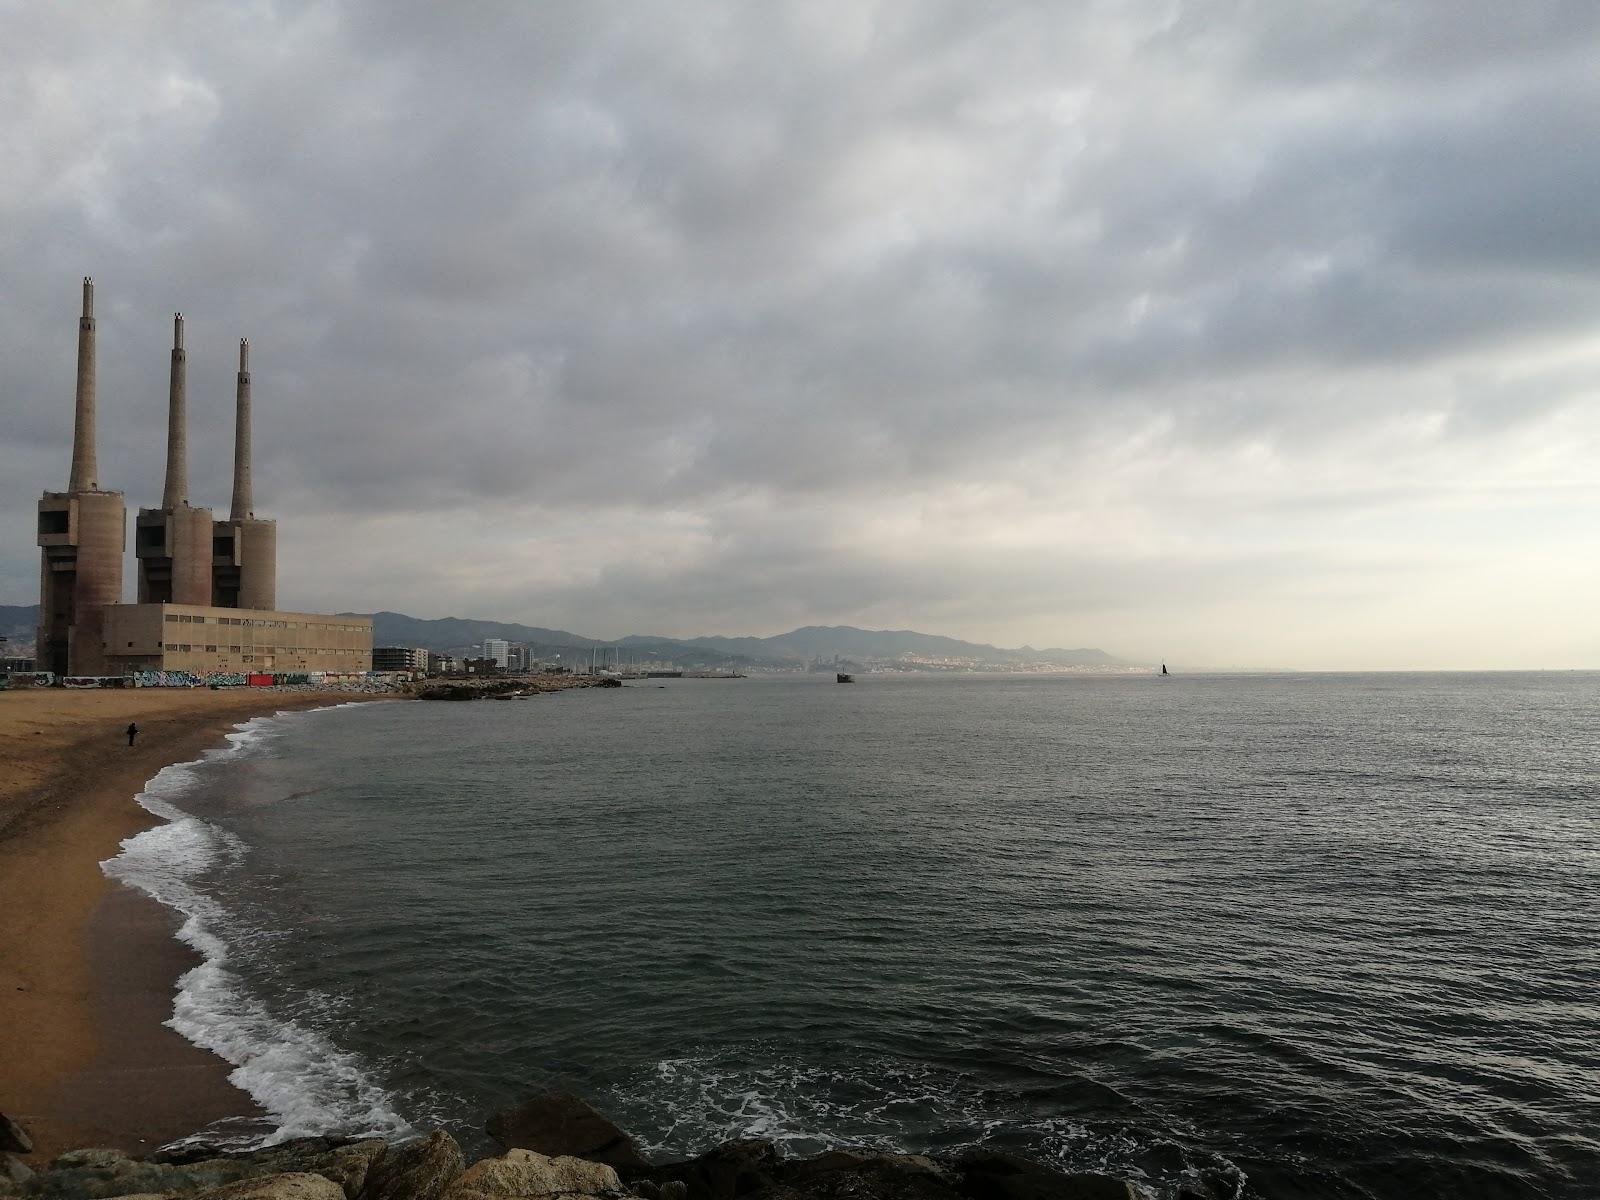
{"points": [[133, 732]]}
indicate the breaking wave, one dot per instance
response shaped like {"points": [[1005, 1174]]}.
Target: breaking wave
{"points": [[304, 1083]]}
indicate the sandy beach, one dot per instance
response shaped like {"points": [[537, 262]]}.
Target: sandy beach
{"points": [[87, 967]]}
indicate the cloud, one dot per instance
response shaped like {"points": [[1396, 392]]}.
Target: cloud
{"points": [[1109, 325]]}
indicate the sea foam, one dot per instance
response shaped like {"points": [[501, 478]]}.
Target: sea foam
{"points": [[305, 1084]]}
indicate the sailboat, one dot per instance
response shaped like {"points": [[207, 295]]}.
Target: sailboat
{"points": [[1164, 670]]}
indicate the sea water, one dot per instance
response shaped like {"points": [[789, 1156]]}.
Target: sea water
{"points": [[1278, 936]]}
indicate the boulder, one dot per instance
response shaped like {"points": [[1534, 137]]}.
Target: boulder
{"points": [[418, 1170], [559, 1123], [14, 1138], [99, 1160], [729, 1170], [14, 1170], [521, 1173], [995, 1175], [347, 1165], [857, 1175], [294, 1185]]}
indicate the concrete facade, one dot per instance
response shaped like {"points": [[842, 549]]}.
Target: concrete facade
{"points": [[244, 572], [205, 640], [173, 542], [82, 535], [399, 658]]}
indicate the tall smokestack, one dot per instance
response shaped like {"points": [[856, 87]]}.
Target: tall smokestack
{"points": [[177, 490], [243, 503], [84, 469]]}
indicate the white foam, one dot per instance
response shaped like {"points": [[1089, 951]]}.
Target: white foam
{"points": [[304, 1083]]}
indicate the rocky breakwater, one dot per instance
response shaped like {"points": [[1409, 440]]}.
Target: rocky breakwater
{"points": [[606, 1166], [507, 687]]}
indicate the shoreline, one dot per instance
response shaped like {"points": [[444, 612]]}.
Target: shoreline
{"points": [[89, 966]]}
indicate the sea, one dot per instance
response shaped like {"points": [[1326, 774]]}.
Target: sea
{"points": [[1291, 935]]}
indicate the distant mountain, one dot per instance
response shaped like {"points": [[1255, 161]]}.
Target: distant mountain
{"points": [[18, 624], [797, 648], [846, 641]]}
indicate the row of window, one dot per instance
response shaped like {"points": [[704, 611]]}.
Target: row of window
{"points": [[263, 649], [198, 619]]}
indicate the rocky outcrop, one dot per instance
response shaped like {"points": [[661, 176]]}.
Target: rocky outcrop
{"points": [[422, 1169], [295, 1185], [14, 1138], [506, 687], [193, 1170], [992, 1175], [525, 1173], [560, 1123], [434, 1168]]}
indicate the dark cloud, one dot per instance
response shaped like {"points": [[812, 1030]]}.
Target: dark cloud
{"points": [[670, 310]]}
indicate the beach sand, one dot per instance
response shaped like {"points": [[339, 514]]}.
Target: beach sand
{"points": [[88, 967]]}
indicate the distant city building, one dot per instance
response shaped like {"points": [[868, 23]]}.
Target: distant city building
{"points": [[481, 666], [498, 649], [442, 664], [399, 658]]}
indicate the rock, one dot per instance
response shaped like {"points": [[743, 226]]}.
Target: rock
{"points": [[858, 1175], [866, 1163], [559, 1123], [294, 1185], [646, 1189], [417, 1170], [520, 1173], [347, 1165], [673, 1189], [729, 1170], [14, 1138], [100, 1160], [994, 1175], [14, 1170]]}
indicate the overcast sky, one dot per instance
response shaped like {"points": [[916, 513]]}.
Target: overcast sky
{"points": [[1234, 333]]}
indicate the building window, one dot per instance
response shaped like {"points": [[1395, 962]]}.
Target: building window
{"points": [[171, 619], [172, 645], [211, 649]]}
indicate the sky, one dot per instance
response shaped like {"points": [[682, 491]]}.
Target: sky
{"points": [[1229, 332]]}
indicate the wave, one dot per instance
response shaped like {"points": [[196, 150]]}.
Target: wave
{"points": [[303, 1082], [683, 1105]]}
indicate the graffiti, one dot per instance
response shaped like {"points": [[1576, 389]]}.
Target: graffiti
{"points": [[215, 679]]}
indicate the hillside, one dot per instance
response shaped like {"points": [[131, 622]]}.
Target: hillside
{"points": [[18, 623], [796, 648], [845, 641]]}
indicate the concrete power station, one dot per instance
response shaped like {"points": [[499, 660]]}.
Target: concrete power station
{"points": [[207, 589]]}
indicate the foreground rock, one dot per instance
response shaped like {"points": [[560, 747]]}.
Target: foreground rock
{"points": [[560, 1123], [419, 1170], [569, 1141], [526, 1173], [13, 1138], [292, 1186]]}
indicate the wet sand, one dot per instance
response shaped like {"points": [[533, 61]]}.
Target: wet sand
{"points": [[87, 966]]}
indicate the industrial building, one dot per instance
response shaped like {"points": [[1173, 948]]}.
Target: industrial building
{"points": [[207, 589], [400, 658]]}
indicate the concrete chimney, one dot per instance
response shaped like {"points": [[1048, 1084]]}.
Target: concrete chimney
{"points": [[243, 503], [84, 470], [177, 489]]}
